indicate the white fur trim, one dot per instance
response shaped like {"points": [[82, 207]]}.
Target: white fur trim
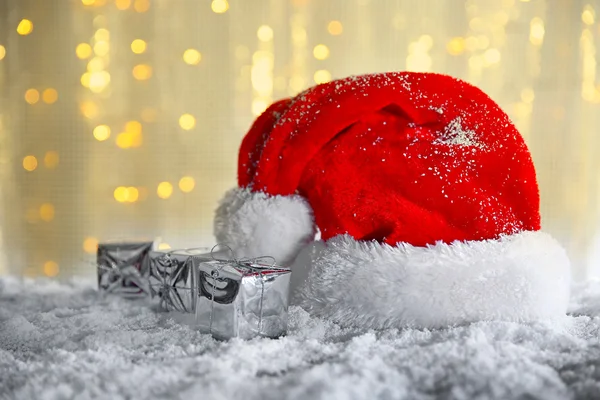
{"points": [[521, 277], [256, 224]]}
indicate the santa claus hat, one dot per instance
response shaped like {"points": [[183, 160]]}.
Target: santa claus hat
{"points": [[423, 191]]}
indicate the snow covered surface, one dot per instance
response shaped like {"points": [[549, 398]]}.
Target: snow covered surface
{"points": [[60, 341]]}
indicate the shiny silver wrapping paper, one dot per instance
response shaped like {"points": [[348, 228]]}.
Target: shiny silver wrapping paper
{"points": [[123, 268], [173, 278], [242, 300]]}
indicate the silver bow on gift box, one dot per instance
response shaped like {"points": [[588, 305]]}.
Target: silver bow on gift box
{"points": [[242, 298]]}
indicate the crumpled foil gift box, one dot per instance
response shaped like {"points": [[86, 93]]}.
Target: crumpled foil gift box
{"points": [[242, 299], [123, 268], [173, 278]]}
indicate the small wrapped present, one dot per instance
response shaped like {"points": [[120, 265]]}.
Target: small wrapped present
{"points": [[242, 299], [123, 268], [173, 278]]}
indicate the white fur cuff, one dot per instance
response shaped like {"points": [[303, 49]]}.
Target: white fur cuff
{"points": [[521, 277]]}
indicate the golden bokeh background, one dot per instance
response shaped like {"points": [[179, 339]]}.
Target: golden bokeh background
{"points": [[122, 118]]}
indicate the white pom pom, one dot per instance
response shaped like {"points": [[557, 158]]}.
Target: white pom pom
{"points": [[256, 224]]}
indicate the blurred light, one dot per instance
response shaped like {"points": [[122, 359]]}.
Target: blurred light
{"points": [[418, 58], [47, 212], [99, 81], [122, 4], [164, 246], [264, 33], [121, 194], [187, 121], [335, 28], [132, 194], [527, 95], [25, 27], [30, 163], [50, 268], [142, 72], [133, 127], [50, 96], [322, 76], [262, 73], [141, 5], [149, 114], [125, 140], [96, 64], [101, 48], [102, 35], [83, 50], [138, 46], [51, 159], [426, 41], [321, 52], [164, 190], [101, 132], [2, 52], [456, 46], [90, 245], [536, 31], [192, 56], [219, 6], [32, 96], [85, 79], [491, 56], [186, 184], [588, 15], [88, 2], [258, 106], [89, 109]]}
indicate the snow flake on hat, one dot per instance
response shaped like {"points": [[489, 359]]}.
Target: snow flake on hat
{"points": [[455, 134]]}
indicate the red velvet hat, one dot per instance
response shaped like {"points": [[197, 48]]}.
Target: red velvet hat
{"points": [[423, 192]]}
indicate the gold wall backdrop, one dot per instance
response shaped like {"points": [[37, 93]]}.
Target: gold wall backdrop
{"points": [[122, 118]]}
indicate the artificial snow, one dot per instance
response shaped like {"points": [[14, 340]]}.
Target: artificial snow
{"points": [[60, 341]]}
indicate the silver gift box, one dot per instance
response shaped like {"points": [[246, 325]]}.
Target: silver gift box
{"points": [[123, 268], [173, 278], [242, 300]]}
